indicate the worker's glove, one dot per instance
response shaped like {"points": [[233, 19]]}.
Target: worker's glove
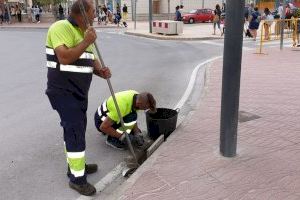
{"points": [[136, 140]]}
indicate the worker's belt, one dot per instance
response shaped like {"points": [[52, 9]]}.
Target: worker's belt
{"points": [[83, 65]]}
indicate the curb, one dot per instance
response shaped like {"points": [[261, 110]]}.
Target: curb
{"points": [[46, 27], [119, 192], [162, 37]]}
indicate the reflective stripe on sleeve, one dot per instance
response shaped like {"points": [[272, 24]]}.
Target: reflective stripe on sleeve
{"points": [[74, 68], [87, 55], [103, 118], [104, 106], [130, 123], [119, 131]]}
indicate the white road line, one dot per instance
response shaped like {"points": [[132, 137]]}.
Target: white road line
{"points": [[222, 45], [106, 180], [112, 175], [190, 86]]}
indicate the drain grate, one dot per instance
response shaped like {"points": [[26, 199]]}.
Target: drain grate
{"points": [[246, 116]]}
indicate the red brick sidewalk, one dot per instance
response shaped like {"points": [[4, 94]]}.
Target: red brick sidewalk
{"points": [[189, 166]]}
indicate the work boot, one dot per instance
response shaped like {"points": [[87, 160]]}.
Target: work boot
{"points": [[89, 169], [85, 189]]}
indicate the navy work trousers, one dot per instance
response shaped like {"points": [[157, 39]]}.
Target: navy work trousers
{"points": [[72, 112]]}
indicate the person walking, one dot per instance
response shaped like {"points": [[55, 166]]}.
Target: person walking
{"points": [[217, 19], [107, 120], [254, 21], [178, 16], [125, 15], [71, 64], [268, 17], [61, 12], [19, 13]]}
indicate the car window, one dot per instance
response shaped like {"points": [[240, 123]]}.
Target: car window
{"points": [[193, 11]]}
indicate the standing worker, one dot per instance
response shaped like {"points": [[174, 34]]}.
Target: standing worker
{"points": [[107, 119], [71, 64]]}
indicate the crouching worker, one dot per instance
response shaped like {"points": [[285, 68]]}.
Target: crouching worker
{"points": [[107, 120]]}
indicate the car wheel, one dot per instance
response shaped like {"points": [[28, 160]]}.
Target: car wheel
{"points": [[191, 21]]}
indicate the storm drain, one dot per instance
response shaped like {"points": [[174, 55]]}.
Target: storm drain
{"points": [[246, 116]]}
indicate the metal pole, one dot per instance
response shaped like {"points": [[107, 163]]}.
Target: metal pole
{"points": [[202, 3], [135, 1], [132, 10], [150, 16], [83, 12], [282, 25], [169, 17], [233, 44]]}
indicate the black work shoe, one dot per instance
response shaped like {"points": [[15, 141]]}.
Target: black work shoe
{"points": [[89, 169], [115, 143], [86, 189]]}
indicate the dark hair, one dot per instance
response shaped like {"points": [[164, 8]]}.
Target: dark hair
{"points": [[75, 9], [151, 101], [218, 7], [256, 8], [267, 11]]}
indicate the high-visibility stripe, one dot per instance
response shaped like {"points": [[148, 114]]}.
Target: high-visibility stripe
{"points": [[87, 55], [74, 68], [72, 155], [99, 111], [103, 118], [128, 131], [130, 123], [119, 131], [77, 173], [104, 106], [51, 64], [50, 51]]}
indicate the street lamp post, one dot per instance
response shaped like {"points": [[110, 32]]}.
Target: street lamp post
{"points": [[202, 3], [233, 44], [282, 24], [150, 16]]}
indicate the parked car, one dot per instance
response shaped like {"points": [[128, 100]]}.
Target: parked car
{"points": [[198, 15]]}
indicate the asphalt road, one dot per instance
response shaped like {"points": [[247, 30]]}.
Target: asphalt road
{"points": [[31, 146]]}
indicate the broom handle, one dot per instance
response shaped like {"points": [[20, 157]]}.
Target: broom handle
{"points": [[83, 13]]}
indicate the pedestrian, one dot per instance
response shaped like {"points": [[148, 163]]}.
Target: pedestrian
{"points": [[107, 120], [37, 14], [125, 15], [105, 14], [1, 15], [19, 13], [178, 16], [71, 64], [296, 28], [268, 17], [217, 19], [61, 12], [254, 21], [181, 10]]}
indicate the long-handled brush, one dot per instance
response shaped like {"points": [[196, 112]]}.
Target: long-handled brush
{"points": [[83, 13]]}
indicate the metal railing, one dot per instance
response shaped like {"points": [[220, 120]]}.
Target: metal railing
{"points": [[271, 30]]}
